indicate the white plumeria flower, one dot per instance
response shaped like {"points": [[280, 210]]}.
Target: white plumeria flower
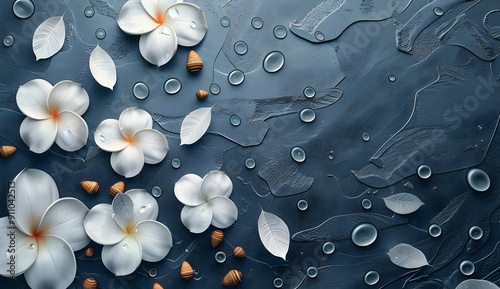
{"points": [[162, 24], [206, 201], [53, 114], [47, 230], [129, 231], [132, 141]]}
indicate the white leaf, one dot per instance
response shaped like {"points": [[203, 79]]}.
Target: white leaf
{"points": [[403, 203], [123, 207], [407, 256], [49, 37], [274, 234], [195, 125], [476, 284], [102, 67]]}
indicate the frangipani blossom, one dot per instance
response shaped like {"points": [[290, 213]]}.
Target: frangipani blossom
{"points": [[41, 233], [162, 24], [132, 141], [206, 201], [53, 114], [128, 231]]}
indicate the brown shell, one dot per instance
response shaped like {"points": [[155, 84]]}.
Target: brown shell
{"points": [[194, 62], [187, 271], [117, 188], [232, 278], [89, 252], [89, 283], [90, 186], [202, 94], [157, 286], [7, 151], [216, 238], [239, 252]]}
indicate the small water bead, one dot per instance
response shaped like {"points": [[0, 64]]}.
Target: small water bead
{"points": [[140, 90], [273, 62], [312, 272], [302, 205], [172, 86], [236, 77], [330, 157], [156, 191], [328, 248], [176, 163], [298, 154], [240, 47], [438, 11], [478, 180], [366, 204], [424, 171], [250, 163], [319, 35], [220, 257], [365, 136], [102, 138], [466, 267], [153, 272], [173, 13], [214, 88], [68, 137], [197, 275], [364, 234], [307, 115], [257, 23], [23, 8], [371, 278], [392, 77], [192, 24], [280, 31], [89, 12], [8, 40], [235, 120], [100, 33], [309, 92], [475, 233], [278, 282], [434, 230], [224, 21]]}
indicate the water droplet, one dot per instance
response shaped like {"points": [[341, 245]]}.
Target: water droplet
{"points": [[125, 247], [31, 246], [366, 204], [250, 163], [172, 86], [23, 8], [113, 215], [224, 21], [273, 62], [220, 257], [153, 272], [466, 267], [235, 120], [330, 157], [67, 137], [302, 205], [192, 24], [434, 230], [240, 47], [280, 31], [424, 171], [438, 11], [309, 92], [478, 179], [100, 33], [319, 35], [89, 11], [173, 13], [102, 138], [371, 277], [278, 282], [298, 154], [257, 23], [176, 163], [8, 40], [156, 191], [364, 235], [392, 77], [140, 90], [475, 233], [365, 136], [186, 250], [236, 77], [142, 209], [307, 115], [328, 248], [312, 272], [214, 88]]}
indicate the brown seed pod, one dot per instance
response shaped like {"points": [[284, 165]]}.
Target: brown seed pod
{"points": [[117, 188], [157, 286], [7, 151], [90, 186], [216, 238], [89, 252], [201, 94], [232, 278], [194, 62], [89, 283], [239, 252], [187, 271]]}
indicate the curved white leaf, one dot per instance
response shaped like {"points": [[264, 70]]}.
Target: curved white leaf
{"points": [[403, 203], [195, 125], [274, 234], [102, 67], [49, 37], [123, 207], [407, 256], [476, 284]]}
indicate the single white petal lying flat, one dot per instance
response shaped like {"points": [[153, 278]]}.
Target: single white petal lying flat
{"points": [[31, 98], [187, 190], [158, 46], [216, 183], [68, 95], [197, 219], [155, 238], [38, 135], [108, 136], [145, 206], [224, 212], [124, 257], [190, 25], [128, 162], [134, 119], [101, 226], [153, 144], [72, 131]]}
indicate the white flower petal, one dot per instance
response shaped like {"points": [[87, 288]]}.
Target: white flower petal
{"points": [[145, 206], [190, 25], [122, 258], [64, 219], [100, 225], [128, 162], [133, 19], [153, 144], [108, 137], [159, 45], [32, 97], [39, 135], [35, 190], [224, 212], [196, 219], [187, 190], [68, 95], [156, 9], [20, 249], [216, 183], [123, 207], [134, 119], [54, 267], [72, 131], [155, 239]]}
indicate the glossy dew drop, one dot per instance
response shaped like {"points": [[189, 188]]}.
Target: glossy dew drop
{"points": [[235, 120], [478, 180], [176, 163], [156, 191], [302, 205], [100, 33], [298, 154], [371, 278], [89, 12], [307, 115], [366, 204], [257, 23], [225, 22], [250, 163], [172, 86], [328, 248], [424, 171], [364, 235], [278, 282], [140, 90], [312, 272], [8, 40], [23, 8], [365, 136], [240, 47], [236, 77], [214, 89], [273, 62], [280, 31], [475, 233], [434, 230], [319, 35], [220, 257], [153, 272], [309, 92], [466, 267]]}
